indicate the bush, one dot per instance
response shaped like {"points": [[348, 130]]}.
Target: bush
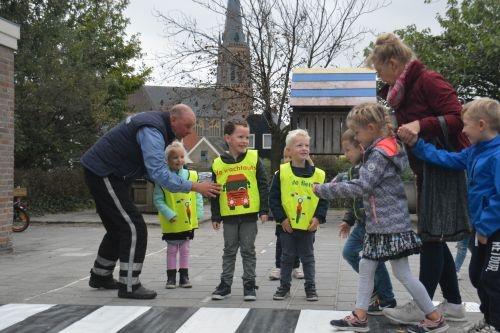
{"points": [[56, 190]]}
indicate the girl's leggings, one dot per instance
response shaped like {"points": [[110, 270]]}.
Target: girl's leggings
{"points": [[402, 272], [183, 250]]}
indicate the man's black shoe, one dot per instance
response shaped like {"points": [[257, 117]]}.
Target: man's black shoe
{"points": [[104, 282], [139, 293]]}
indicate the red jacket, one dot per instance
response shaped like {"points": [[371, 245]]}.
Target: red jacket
{"points": [[427, 96]]}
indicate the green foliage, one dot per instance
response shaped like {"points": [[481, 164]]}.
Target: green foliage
{"points": [[333, 165], [72, 76], [57, 190], [467, 52]]}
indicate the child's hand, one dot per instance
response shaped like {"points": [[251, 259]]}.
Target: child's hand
{"points": [[173, 219], [264, 218], [313, 225], [408, 136], [344, 230], [481, 239], [216, 225], [286, 226]]}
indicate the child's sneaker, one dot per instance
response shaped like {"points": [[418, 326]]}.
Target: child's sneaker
{"points": [[275, 274], [428, 325], [408, 314], [452, 312], [249, 291], [351, 323], [311, 294], [376, 307], [298, 273], [222, 291], [184, 278], [281, 293]]}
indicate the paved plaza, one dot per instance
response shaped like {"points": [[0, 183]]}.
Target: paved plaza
{"points": [[51, 262]]}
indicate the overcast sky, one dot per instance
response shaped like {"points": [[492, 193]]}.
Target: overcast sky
{"points": [[398, 14]]}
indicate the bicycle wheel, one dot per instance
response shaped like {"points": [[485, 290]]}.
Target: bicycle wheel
{"points": [[21, 220]]}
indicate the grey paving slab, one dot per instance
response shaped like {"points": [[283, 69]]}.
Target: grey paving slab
{"points": [[51, 262]]}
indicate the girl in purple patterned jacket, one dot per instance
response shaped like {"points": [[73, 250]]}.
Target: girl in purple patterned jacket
{"points": [[389, 235]]}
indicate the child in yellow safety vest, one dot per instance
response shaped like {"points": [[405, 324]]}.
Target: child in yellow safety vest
{"points": [[299, 212], [244, 195], [179, 214]]}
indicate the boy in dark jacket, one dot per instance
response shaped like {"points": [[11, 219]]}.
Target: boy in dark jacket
{"points": [[482, 161], [244, 195], [299, 212]]}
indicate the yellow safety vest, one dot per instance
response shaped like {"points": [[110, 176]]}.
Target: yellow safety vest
{"points": [[297, 197], [240, 193], [184, 206]]}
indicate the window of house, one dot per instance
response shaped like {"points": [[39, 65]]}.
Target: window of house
{"points": [[203, 156], [266, 141], [251, 141]]}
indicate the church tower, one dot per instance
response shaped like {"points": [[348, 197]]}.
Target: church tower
{"points": [[233, 65]]}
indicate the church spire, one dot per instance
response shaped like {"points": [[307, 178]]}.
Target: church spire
{"points": [[233, 30]]}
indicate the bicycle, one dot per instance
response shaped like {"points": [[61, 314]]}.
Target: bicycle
{"points": [[21, 219]]}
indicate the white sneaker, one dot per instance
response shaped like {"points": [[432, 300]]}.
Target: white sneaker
{"points": [[452, 312], [408, 314], [475, 327], [298, 273], [275, 274]]}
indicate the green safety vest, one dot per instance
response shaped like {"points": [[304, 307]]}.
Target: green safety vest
{"points": [[184, 206], [297, 196], [240, 193]]}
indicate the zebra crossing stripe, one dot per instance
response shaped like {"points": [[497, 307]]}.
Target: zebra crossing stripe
{"points": [[11, 314], [317, 321], [107, 319], [220, 320]]}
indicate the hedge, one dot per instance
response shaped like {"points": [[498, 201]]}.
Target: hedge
{"points": [[53, 191]]}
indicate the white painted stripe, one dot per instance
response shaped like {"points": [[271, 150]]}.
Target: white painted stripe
{"points": [[330, 101], [11, 314], [220, 320], [133, 232], [334, 85], [106, 319], [317, 321]]}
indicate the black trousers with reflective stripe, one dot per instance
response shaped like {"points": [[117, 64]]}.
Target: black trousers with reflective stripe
{"points": [[126, 234]]}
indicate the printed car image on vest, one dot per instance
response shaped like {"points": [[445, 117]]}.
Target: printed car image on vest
{"points": [[236, 188]]}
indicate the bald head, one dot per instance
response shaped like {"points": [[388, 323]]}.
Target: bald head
{"points": [[182, 120]]}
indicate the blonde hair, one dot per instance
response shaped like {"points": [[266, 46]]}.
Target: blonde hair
{"points": [[295, 133], [370, 113], [388, 46], [176, 145], [484, 108], [349, 136], [286, 157], [290, 138]]}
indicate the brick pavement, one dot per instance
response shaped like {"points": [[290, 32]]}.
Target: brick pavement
{"points": [[50, 264]]}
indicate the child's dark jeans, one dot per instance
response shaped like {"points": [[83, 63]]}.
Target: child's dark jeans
{"points": [[298, 244], [279, 251]]}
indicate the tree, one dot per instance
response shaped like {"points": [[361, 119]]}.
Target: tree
{"points": [[467, 51], [282, 34], [72, 76]]}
